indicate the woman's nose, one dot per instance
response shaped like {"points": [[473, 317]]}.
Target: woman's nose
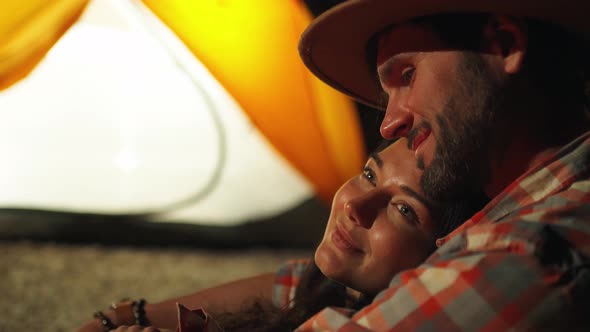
{"points": [[362, 210], [398, 120]]}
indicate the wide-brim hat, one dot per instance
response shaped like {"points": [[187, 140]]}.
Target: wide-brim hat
{"points": [[334, 46]]}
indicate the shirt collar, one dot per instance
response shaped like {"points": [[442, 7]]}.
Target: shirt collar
{"points": [[552, 175]]}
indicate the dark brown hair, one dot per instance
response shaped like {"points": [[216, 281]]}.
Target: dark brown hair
{"points": [[314, 293]]}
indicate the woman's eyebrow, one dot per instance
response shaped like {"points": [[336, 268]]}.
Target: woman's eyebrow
{"points": [[378, 160], [417, 196]]}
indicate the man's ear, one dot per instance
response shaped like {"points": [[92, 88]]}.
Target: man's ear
{"points": [[506, 37]]}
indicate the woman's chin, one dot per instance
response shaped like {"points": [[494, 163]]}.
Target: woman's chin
{"points": [[329, 262]]}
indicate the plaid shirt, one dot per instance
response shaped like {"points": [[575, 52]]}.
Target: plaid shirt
{"points": [[286, 281], [520, 264]]}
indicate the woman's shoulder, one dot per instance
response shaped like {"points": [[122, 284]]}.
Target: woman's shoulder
{"points": [[287, 279], [292, 268]]}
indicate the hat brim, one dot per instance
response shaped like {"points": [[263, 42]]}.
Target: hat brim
{"points": [[334, 46]]}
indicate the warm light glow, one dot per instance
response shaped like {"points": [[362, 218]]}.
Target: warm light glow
{"points": [[250, 46], [118, 118], [28, 29], [117, 115]]}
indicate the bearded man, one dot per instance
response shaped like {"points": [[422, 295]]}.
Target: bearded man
{"points": [[492, 95]]}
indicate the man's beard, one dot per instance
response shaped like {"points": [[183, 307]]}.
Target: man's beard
{"points": [[460, 166]]}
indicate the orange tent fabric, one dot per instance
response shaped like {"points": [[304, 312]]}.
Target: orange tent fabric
{"points": [[28, 29], [250, 46]]}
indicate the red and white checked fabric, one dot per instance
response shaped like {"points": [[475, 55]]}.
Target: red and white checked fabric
{"points": [[520, 264], [286, 281]]}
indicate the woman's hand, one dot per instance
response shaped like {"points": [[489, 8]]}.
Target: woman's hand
{"points": [[139, 328], [92, 326]]}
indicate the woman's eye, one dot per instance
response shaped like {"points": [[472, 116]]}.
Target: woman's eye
{"points": [[407, 212], [407, 75], [369, 175]]}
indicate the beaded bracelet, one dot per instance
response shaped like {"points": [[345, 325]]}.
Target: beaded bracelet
{"points": [[107, 325], [130, 312], [139, 312]]}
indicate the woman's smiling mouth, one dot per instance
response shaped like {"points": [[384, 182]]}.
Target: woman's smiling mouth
{"points": [[343, 241]]}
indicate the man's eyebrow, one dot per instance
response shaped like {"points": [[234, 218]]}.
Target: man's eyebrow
{"points": [[384, 70], [377, 159], [382, 100], [429, 205]]}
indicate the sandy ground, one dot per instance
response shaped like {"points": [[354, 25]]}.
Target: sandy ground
{"points": [[57, 287]]}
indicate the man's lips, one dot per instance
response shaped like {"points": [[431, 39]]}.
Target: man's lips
{"points": [[343, 240], [419, 138]]}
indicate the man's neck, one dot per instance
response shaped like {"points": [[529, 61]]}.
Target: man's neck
{"points": [[512, 165], [525, 151]]}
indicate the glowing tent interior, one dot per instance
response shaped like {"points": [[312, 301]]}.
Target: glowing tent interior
{"points": [[172, 112]]}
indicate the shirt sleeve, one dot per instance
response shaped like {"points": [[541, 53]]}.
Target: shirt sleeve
{"points": [[491, 278], [286, 281]]}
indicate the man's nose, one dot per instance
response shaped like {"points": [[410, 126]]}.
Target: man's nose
{"points": [[398, 120], [363, 209]]}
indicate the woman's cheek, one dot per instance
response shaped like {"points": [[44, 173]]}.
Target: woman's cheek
{"points": [[391, 239], [347, 191]]}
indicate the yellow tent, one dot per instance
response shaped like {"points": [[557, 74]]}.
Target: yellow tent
{"points": [[249, 46]]}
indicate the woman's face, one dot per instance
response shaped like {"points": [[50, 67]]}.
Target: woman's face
{"points": [[380, 223]]}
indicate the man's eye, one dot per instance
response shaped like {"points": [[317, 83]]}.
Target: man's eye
{"points": [[369, 175], [407, 75]]}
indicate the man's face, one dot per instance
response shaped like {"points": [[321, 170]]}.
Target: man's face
{"points": [[441, 100]]}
